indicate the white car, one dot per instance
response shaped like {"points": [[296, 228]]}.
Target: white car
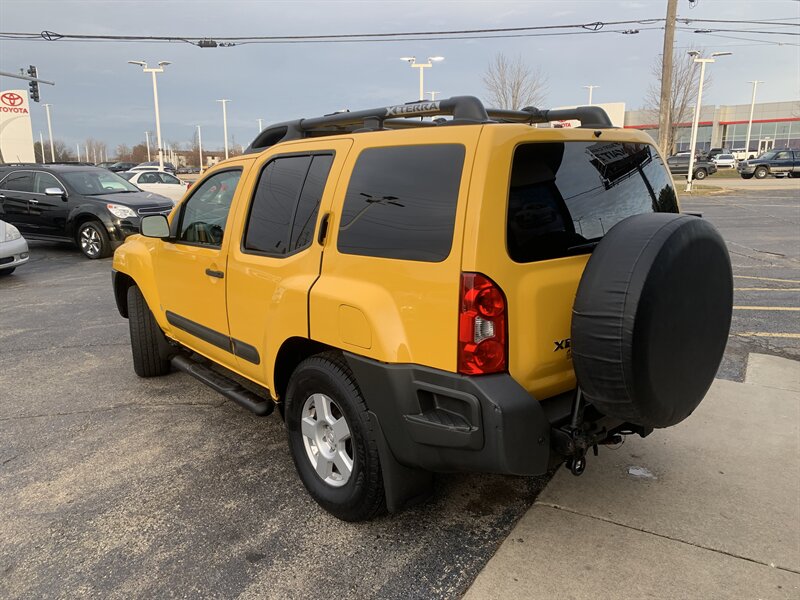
{"points": [[13, 248], [725, 161], [158, 182]]}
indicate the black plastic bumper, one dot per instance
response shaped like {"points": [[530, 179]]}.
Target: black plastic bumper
{"points": [[440, 421]]}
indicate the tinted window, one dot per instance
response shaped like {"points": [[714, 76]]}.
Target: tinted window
{"points": [[149, 178], [401, 202], [20, 181], [565, 195], [305, 220], [205, 214], [269, 227], [42, 181]]}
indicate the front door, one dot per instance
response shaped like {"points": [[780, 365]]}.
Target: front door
{"points": [[50, 212], [278, 253], [190, 271]]}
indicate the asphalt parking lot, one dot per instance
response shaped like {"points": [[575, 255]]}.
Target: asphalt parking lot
{"points": [[113, 486]]}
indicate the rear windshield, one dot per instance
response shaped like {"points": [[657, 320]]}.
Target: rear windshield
{"points": [[565, 196]]}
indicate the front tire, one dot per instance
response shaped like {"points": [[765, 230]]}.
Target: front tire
{"points": [[746, 176], [761, 173], [332, 439], [149, 345], [93, 240]]}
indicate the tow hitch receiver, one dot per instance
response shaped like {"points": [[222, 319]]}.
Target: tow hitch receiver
{"points": [[587, 429]]}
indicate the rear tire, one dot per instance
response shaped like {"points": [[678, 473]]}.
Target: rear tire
{"points": [[700, 174], [93, 240], [149, 345], [761, 172], [332, 439]]}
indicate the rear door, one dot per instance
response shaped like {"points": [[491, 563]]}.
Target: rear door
{"points": [[15, 192], [543, 207], [275, 256]]}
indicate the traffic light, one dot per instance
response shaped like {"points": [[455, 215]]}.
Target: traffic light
{"points": [[34, 85]]}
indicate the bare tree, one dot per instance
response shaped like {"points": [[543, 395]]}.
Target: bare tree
{"points": [[63, 154], [123, 152], [683, 93], [513, 84]]}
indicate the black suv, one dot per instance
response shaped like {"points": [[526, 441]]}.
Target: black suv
{"points": [[91, 206], [679, 165]]}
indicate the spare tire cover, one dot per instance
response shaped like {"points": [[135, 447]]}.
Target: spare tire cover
{"points": [[651, 318]]}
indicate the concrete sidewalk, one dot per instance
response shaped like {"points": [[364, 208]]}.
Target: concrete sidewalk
{"points": [[707, 509]]}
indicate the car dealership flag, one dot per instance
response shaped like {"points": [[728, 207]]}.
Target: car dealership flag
{"points": [[16, 134]]}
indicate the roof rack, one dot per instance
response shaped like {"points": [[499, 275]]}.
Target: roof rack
{"points": [[464, 110]]}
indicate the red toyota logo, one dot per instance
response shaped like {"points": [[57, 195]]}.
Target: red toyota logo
{"points": [[11, 99]]}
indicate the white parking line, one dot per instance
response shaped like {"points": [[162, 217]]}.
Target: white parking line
{"points": [[766, 278], [791, 308], [766, 334], [759, 289]]}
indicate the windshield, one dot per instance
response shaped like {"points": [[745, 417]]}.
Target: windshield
{"points": [[564, 197], [97, 182]]}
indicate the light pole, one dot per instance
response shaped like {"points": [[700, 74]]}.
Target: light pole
{"points": [[153, 71], [41, 148], [78, 147], [200, 147], [591, 89], [412, 60], [225, 124], [260, 127], [147, 142], [750, 121], [703, 62], [50, 133]]}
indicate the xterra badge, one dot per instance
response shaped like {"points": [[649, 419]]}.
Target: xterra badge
{"points": [[565, 344]]}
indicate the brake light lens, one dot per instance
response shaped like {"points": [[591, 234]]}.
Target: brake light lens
{"points": [[482, 326]]}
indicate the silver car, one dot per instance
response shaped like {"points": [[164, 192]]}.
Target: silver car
{"points": [[13, 248]]}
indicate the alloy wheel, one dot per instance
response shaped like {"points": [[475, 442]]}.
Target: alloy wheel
{"points": [[327, 440]]}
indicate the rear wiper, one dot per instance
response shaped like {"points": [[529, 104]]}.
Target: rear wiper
{"points": [[586, 246]]}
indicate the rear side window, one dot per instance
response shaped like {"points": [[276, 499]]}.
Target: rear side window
{"points": [[401, 202], [19, 181], [565, 196], [285, 206]]}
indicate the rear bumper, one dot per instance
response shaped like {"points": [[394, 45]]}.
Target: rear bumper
{"points": [[440, 421]]}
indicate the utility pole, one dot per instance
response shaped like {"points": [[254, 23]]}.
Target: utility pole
{"points": [[50, 131], [665, 104], [41, 148], [147, 141], [200, 147], [591, 89], [750, 120], [78, 147], [225, 124]]}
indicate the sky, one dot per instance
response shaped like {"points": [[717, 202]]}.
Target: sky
{"points": [[98, 95]]}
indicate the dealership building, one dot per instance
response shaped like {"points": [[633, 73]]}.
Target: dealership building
{"points": [[775, 125]]}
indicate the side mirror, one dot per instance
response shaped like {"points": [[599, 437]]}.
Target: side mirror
{"points": [[55, 191], [155, 226]]}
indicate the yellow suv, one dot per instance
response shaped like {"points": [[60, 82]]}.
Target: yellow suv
{"points": [[474, 291]]}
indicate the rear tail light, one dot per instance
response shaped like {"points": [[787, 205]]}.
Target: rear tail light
{"points": [[482, 326]]}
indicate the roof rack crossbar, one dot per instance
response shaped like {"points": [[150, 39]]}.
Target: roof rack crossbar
{"points": [[463, 109]]}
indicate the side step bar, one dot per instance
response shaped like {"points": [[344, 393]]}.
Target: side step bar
{"points": [[227, 387]]}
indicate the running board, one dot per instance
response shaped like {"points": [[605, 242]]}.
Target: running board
{"points": [[227, 387]]}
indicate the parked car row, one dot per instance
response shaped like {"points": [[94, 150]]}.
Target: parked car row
{"points": [[91, 207], [779, 163]]}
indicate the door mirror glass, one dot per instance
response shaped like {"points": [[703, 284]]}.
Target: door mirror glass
{"points": [[53, 191], [155, 226]]}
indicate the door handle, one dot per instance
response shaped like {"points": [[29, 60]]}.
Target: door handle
{"points": [[213, 273], [32, 201]]}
